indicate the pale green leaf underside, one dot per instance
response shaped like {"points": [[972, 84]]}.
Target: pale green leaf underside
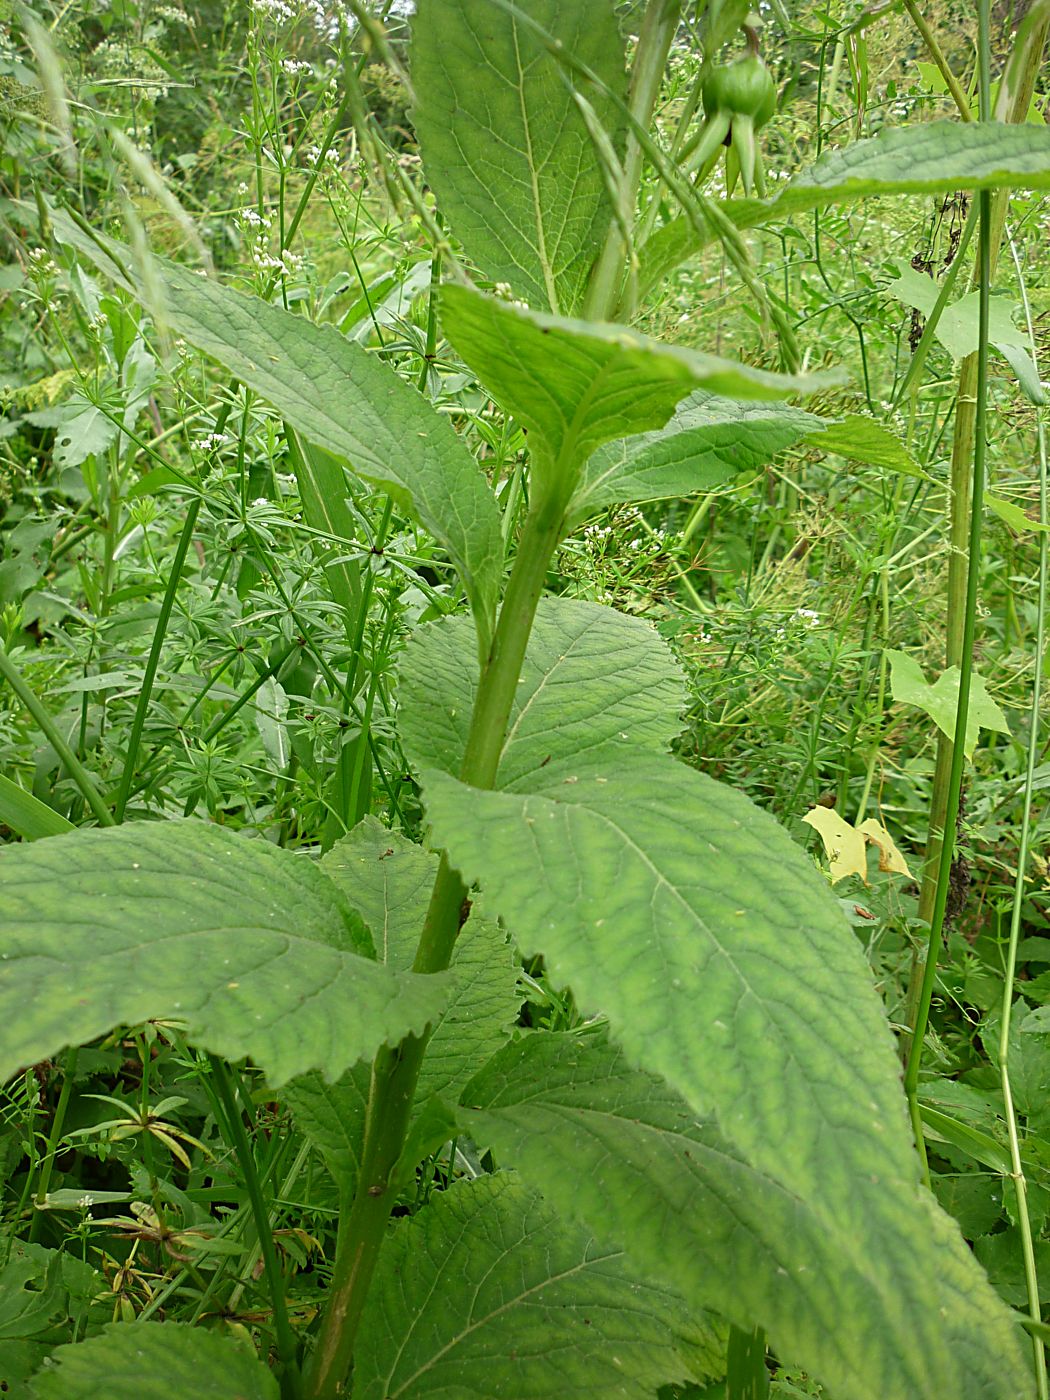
{"points": [[686, 914], [591, 676], [926, 159], [487, 1292], [504, 144], [707, 441], [341, 398], [249, 945], [940, 700], [575, 384], [154, 1361], [883, 1302]]}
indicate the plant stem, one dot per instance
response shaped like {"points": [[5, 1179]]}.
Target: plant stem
{"points": [[150, 674], [1017, 1172], [396, 1070], [654, 42], [286, 1345], [44, 722], [966, 618], [959, 517], [933, 48], [58, 1124]]}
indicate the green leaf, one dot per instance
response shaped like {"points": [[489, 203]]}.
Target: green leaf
{"points": [[154, 1361], [930, 158], [685, 913], [863, 440], [880, 1298], [958, 327], [941, 699], [1012, 514], [591, 676], [321, 482], [27, 815], [249, 945], [707, 441], [575, 385], [505, 147], [387, 879], [32, 1296], [343, 399], [487, 1292], [923, 159]]}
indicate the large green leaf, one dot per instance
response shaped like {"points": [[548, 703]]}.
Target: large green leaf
{"points": [[487, 1292], [154, 1361], [387, 879], [686, 914], [930, 158], [249, 945], [575, 384], [707, 441], [940, 700], [590, 676], [882, 1300], [505, 146], [340, 397]]}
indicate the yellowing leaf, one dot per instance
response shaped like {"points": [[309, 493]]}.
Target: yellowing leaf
{"points": [[846, 845], [890, 859], [843, 844]]}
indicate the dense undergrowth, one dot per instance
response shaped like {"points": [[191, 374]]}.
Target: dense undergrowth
{"points": [[202, 615]]}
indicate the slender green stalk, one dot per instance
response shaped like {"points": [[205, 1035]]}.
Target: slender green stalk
{"points": [[968, 620], [153, 661], [654, 43], [44, 722], [395, 1071], [933, 48], [1017, 1172], [238, 1137], [54, 1137]]}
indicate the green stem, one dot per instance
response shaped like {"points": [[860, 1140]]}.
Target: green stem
{"points": [[936, 53], [921, 1015], [286, 1347], [1017, 1167], [396, 1070], [654, 42], [58, 1124], [150, 675], [49, 729]]}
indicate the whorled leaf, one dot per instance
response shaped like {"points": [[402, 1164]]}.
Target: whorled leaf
{"points": [[154, 1361], [575, 385], [341, 398], [488, 1292], [505, 146], [247, 944], [884, 1300], [590, 676]]}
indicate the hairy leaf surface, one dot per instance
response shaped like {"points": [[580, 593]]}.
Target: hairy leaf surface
{"points": [[249, 945], [884, 1302], [154, 1361], [507, 150], [488, 1292], [591, 676]]}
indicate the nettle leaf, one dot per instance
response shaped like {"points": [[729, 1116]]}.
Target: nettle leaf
{"points": [[882, 1299], [575, 385], [249, 945], [154, 1361], [707, 441], [487, 1292], [505, 146], [940, 700], [931, 158], [591, 676], [343, 399], [387, 879]]}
